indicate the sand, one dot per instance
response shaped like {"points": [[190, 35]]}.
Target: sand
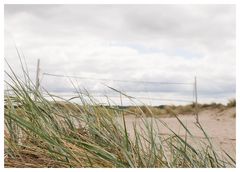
{"points": [[219, 125]]}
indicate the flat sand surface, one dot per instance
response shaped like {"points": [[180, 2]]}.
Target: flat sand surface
{"points": [[219, 125]]}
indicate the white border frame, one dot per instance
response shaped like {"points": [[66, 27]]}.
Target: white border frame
{"points": [[236, 2]]}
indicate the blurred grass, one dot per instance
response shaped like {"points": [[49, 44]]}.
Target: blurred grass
{"points": [[231, 103], [49, 133], [149, 111]]}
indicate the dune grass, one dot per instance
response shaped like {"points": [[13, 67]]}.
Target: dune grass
{"points": [[149, 111], [40, 133], [231, 103]]}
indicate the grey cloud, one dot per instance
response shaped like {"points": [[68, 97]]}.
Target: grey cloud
{"points": [[120, 41]]}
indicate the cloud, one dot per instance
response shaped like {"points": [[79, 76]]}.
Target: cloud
{"points": [[170, 43]]}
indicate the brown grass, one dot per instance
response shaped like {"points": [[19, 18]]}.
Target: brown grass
{"points": [[157, 111]]}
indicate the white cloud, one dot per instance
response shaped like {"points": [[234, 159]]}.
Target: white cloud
{"points": [[128, 42]]}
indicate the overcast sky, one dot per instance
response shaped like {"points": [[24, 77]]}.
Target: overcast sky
{"points": [[170, 43]]}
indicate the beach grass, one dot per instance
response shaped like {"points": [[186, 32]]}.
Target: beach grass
{"points": [[40, 132]]}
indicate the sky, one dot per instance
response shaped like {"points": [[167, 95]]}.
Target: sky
{"points": [[152, 43]]}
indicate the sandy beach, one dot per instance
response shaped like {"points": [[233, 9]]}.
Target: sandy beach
{"points": [[219, 125]]}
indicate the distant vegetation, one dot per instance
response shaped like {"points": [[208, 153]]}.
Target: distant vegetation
{"points": [[232, 103], [156, 111]]}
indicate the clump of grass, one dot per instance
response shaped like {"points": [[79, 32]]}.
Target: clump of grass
{"points": [[231, 103], [40, 133], [141, 111], [160, 111], [186, 109]]}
